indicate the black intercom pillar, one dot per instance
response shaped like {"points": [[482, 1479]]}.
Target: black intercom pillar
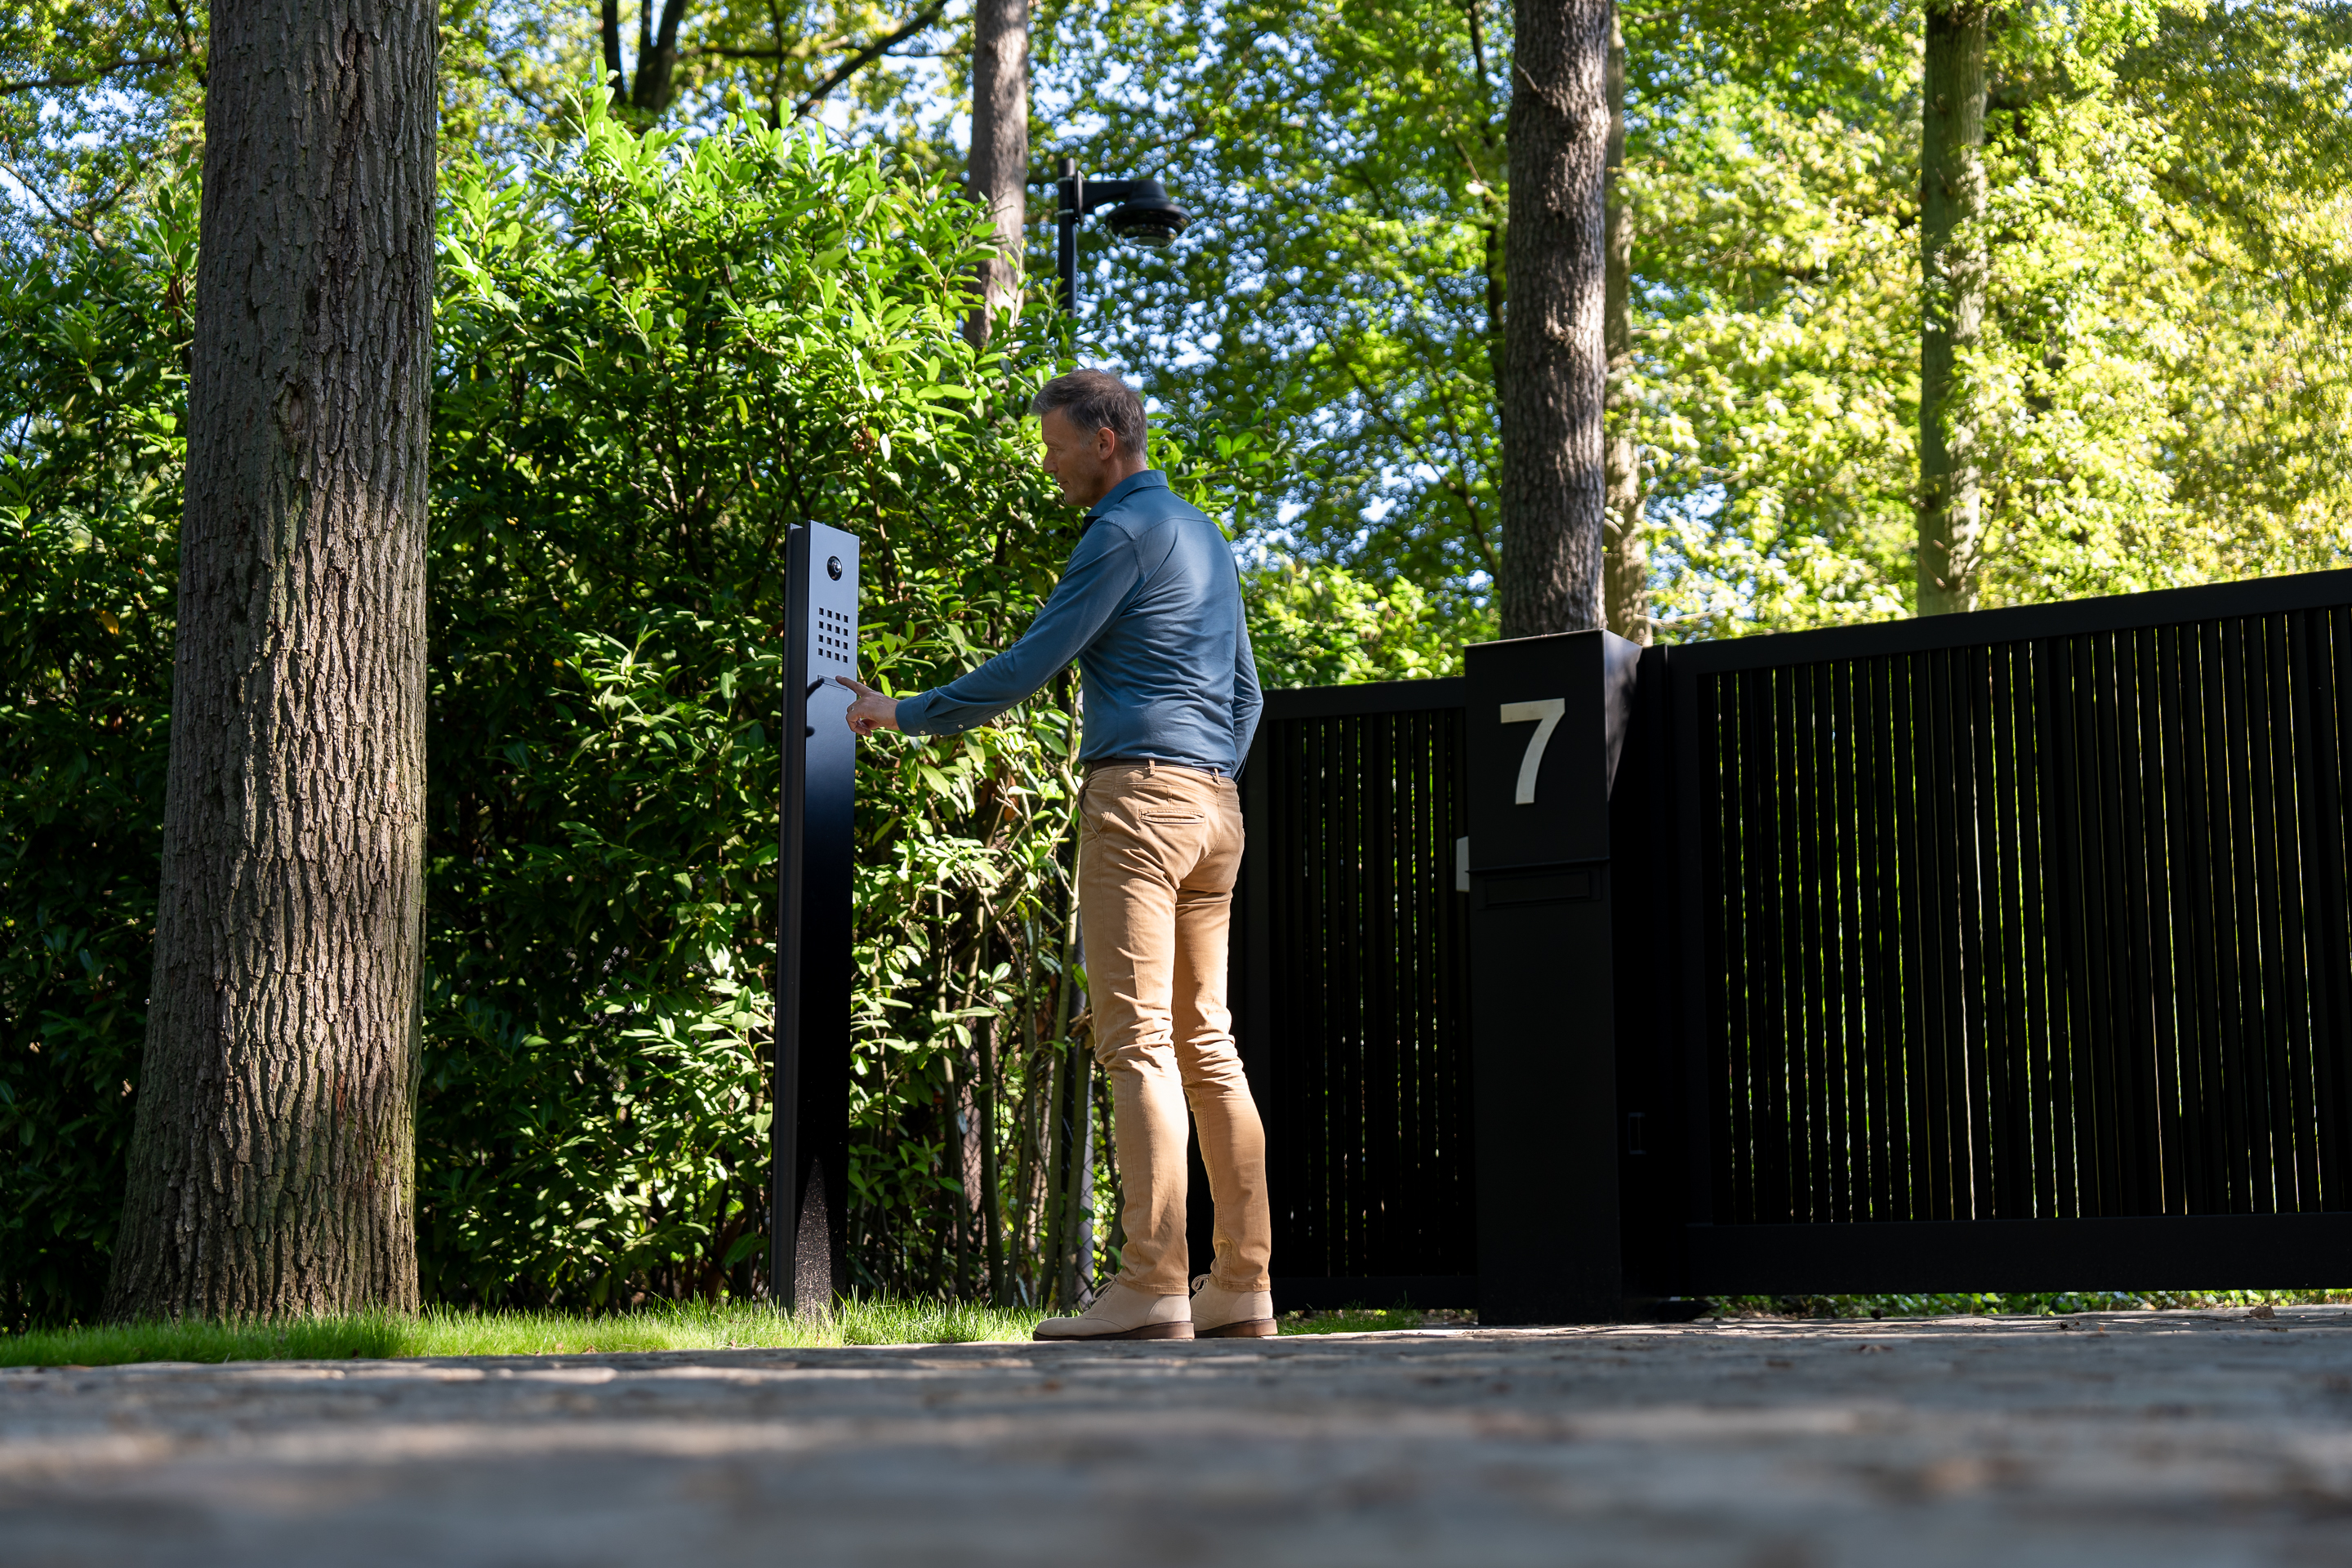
{"points": [[1547, 723], [808, 1255]]}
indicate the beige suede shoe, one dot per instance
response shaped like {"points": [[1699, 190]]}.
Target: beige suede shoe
{"points": [[1123, 1313], [1222, 1314]]}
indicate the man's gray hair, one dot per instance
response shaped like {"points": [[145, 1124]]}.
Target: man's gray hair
{"points": [[1097, 400]]}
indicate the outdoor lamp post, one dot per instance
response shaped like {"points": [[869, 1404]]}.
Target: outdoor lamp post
{"points": [[1139, 213]]}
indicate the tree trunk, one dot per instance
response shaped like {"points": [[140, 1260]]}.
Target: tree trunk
{"points": [[1000, 150], [657, 86], [1554, 489], [991, 1202], [1953, 268], [616, 77], [273, 1163], [1625, 569]]}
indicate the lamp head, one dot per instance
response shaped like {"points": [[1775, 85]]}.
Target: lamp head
{"points": [[1147, 217]]}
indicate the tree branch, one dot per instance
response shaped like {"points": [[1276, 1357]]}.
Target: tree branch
{"points": [[41, 84], [64, 215], [188, 40], [868, 55], [1446, 472], [800, 51]]}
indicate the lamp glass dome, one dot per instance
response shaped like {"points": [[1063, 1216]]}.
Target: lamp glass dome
{"points": [[1153, 224]]}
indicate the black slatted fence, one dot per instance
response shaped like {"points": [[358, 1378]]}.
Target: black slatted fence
{"points": [[2010, 951], [2048, 929]]}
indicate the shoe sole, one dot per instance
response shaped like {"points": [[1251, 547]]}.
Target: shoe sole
{"points": [[1148, 1331], [1247, 1329]]}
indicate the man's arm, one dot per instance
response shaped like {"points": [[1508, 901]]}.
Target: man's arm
{"points": [[1101, 573], [1248, 702]]}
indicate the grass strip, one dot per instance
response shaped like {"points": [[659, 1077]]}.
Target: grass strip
{"points": [[441, 1331], [2053, 1303], [1359, 1320]]}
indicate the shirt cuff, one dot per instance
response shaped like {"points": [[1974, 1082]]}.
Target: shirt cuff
{"points": [[913, 714]]}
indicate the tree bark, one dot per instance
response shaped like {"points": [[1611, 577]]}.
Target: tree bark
{"points": [[273, 1161], [1000, 150], [1953, 269], [1625, 568], [1554, 491]]}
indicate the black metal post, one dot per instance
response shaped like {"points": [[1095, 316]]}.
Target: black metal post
{"points": [[809, 1240], [1072, 190], [1547, 719]]}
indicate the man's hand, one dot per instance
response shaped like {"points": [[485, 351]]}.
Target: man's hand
{"points": [[871, 711]]}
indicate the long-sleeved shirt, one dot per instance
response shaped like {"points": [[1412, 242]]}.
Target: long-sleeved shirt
{"points": [[1150, 607]]}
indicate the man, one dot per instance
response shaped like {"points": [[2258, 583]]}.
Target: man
{"points": [[1150, 607]]}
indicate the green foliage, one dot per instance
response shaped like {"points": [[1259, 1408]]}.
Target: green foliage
{"points": [[100, 113], [102, 101], [2147, 376], [1321, 625], [658, 355], [91, 364], [1345, 168], [2166, 380]]}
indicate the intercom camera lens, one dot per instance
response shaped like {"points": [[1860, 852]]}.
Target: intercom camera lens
{"points": [[833, 567]]}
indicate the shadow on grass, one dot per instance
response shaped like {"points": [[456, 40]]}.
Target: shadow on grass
{"points": [[1373, 1320]]}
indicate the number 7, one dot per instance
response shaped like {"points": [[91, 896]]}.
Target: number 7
{"points": [[1545, 716]]}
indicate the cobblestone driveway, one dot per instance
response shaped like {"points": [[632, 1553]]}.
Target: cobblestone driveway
{"points": [[2146, 1439]]}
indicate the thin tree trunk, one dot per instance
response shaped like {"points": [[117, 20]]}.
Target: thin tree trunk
{"points": [[1000, 150], [1078, 1227], [273, 1161], [617, 76], [1054, 1212], [1554, 489], [1953, 271], [992, 1210], [1625, 570], [656, 85]]}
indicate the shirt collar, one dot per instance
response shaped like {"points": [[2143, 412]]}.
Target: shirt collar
{"points": [[1150, 480]]}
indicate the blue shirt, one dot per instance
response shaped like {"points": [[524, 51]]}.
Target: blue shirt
{"points": [[1150, 607]]}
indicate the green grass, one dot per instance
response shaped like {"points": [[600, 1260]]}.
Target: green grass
{"points": [[440, 1332], [2059, 1302]]}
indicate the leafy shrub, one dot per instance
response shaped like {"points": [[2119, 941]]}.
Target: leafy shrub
{"points": [[91, 363], [1318, 624], [657, 354]]}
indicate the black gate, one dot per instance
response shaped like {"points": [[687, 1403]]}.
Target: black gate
{"points": [[2016, 947], [1352, 993], [2010, 951]]}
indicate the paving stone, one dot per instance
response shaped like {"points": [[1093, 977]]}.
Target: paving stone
{"points": [[2146, 1439]]}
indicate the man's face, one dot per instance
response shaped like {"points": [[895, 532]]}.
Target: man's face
{"points": [[1079, 460]]}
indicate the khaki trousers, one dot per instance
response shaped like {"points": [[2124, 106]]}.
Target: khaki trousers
{"points": [[1159, 846]]}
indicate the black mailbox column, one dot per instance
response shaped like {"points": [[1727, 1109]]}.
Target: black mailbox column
{"points": [[1545, 722], [809, 1244]]}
